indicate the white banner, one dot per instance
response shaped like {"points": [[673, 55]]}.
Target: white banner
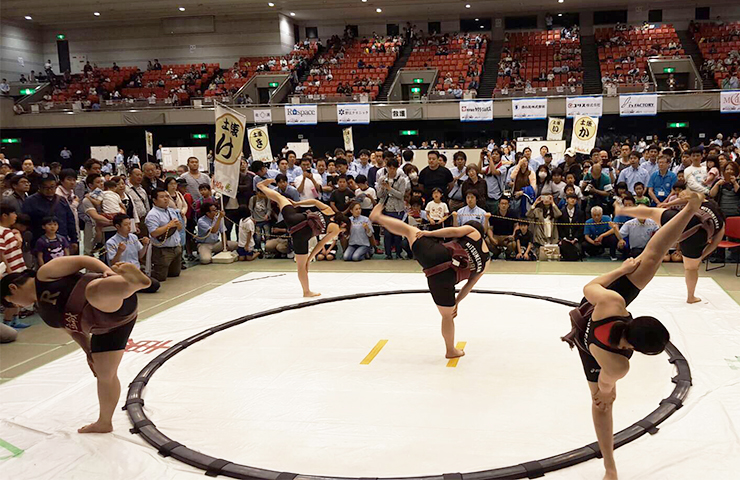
{"points": [[230, 126], [638, 105], [584, 134], [555, 127], [349, 143], [259, 143], [529, 109], [398, 114], [262, 116], [353, 114], [149, 139], [584, 106], [476, 111], [301, 114], [729, 102]]}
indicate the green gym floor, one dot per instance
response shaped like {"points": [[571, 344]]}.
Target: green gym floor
{"points": [[39, 344]]}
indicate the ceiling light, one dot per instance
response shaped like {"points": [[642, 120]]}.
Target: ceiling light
{"points": [[292, 14], [29, 17], [182, 9], [481, 26], [270, 4], [476, 19], [467, 5], [560, 14], [561, 1], [378, 10], [97, 14], [364, 1]]}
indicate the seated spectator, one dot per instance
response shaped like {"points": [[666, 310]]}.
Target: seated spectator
{"points": [[163, 226], [524, 244], [361, 230], [210, 230], [125, 246], [599, 233], [470, 212], [640, 198], [500, 237], [437, 210], [634, 235], [726, 191]]}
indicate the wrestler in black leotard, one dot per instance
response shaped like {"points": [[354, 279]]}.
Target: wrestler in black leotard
{"points": [[430, 253], [694, 246], [301, 237], [110, 331]]}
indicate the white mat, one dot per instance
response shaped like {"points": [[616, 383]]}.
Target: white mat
{"points": [[288, 393]]}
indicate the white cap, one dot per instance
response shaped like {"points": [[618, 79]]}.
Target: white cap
{"points": [[720, 136], [571, 152]]}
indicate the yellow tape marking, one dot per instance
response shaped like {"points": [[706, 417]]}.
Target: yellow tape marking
{"points": [[374, 352], [452, 363]]}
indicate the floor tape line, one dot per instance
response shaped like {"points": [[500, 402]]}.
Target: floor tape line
{"points": [[11, 448], [374, 352], [452, 363]]}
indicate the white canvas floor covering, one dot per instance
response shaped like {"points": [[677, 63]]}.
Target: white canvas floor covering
{"points": [[288, 393]]}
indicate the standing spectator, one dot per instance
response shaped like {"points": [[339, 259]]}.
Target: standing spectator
{"points": [[308, 185], [140, 199], [151, 182], [195, 178], [662, 181], [158, 154], [360, 232], [726, 191], [4, 87], [436, 175], [696, 174], [210, 230], [120, 163], [126, 247], [459, 176], [570, 229], [544, 213], [391, 186], [46, 203], [66, 190], [365, 194], [476, 185], [437, 210], [340, 198], [50, 245], [65, 154], [30, 172], [633, 174], [494, 171], [12, 256], [163, 227], [20, 185]]}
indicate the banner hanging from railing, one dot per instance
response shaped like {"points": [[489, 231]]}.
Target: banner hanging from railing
{"points": [[638, 105], [529, 109], [729, 102], [476, 110], [349, 142], [301, 114], [353, 114], [230, 126], [262, 116], [584, 106]]}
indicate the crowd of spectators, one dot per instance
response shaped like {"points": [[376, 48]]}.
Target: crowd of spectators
{"points": [[720, 46]]}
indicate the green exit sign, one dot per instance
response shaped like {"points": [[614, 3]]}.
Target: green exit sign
{"points": [[11, 140], [678, 125], [415, 89], [199, 136], [61, 36], [669, 70], [418, 80], [408, 133], [273, 84], [27, 91]]}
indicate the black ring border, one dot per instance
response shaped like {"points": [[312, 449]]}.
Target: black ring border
{"points": [[213, 466]]}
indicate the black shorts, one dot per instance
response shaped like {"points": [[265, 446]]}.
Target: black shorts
{"points": [[625, 288], [430, 253], [590, 366], [300, 238], [117, 338], [693, 246]]}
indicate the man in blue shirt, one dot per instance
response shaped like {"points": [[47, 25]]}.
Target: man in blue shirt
{"points": [[210, 229], [600, 233], [126, 247], [494, 173], [661, 182], [164, 231], [633, 174], [637, 232], [470, 212]]}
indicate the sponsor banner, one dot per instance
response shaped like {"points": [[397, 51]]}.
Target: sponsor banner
{"points": [[301, 114], [729, 102], [584, 134], [262, 116], [638, 105], [529, 109], [229, 143], [476, 110], [555, 127], [259, 143], [349, 143], [353, 114], [398, 114], [584, 106], [149, 139]]}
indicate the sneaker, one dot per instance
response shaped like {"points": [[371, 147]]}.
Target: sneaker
{"points": [[291, 255], [614, 259], [389, 257], [16, 324]]}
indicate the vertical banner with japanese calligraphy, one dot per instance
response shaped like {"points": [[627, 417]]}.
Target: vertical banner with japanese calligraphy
{"points": [[229, 144], [149, 139], [555, 127], [259, 143], [584, 134], [349, 143]]}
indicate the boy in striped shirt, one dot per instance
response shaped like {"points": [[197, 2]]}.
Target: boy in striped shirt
{"points": [[11, 254]]}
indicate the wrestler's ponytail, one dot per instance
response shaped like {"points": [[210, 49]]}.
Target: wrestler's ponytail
{"points": [[646, 334], [18, 279], [618, 332]]}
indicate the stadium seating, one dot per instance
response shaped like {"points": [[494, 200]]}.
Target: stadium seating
{"points": [[720, 47], [456, 57], [82, 83], [172, 77]]}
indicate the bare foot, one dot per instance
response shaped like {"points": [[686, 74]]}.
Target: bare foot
{"points": [[610, 475], [693, 300], [377, 211], [132, 274], [618, 209], [695, 201], [310, 294], [455, 353], [96, 427]]}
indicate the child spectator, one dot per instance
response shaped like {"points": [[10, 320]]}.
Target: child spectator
{"points": [[340, 198], [245, 236], [640, 197], [524, 243], [437, 210], [416, 217], [328, 252], [620, 191], [206, 197], [712, 171], [470, 212], [50, 245], [365, 195], [12, 256], [261, 209], [359, 235]]}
